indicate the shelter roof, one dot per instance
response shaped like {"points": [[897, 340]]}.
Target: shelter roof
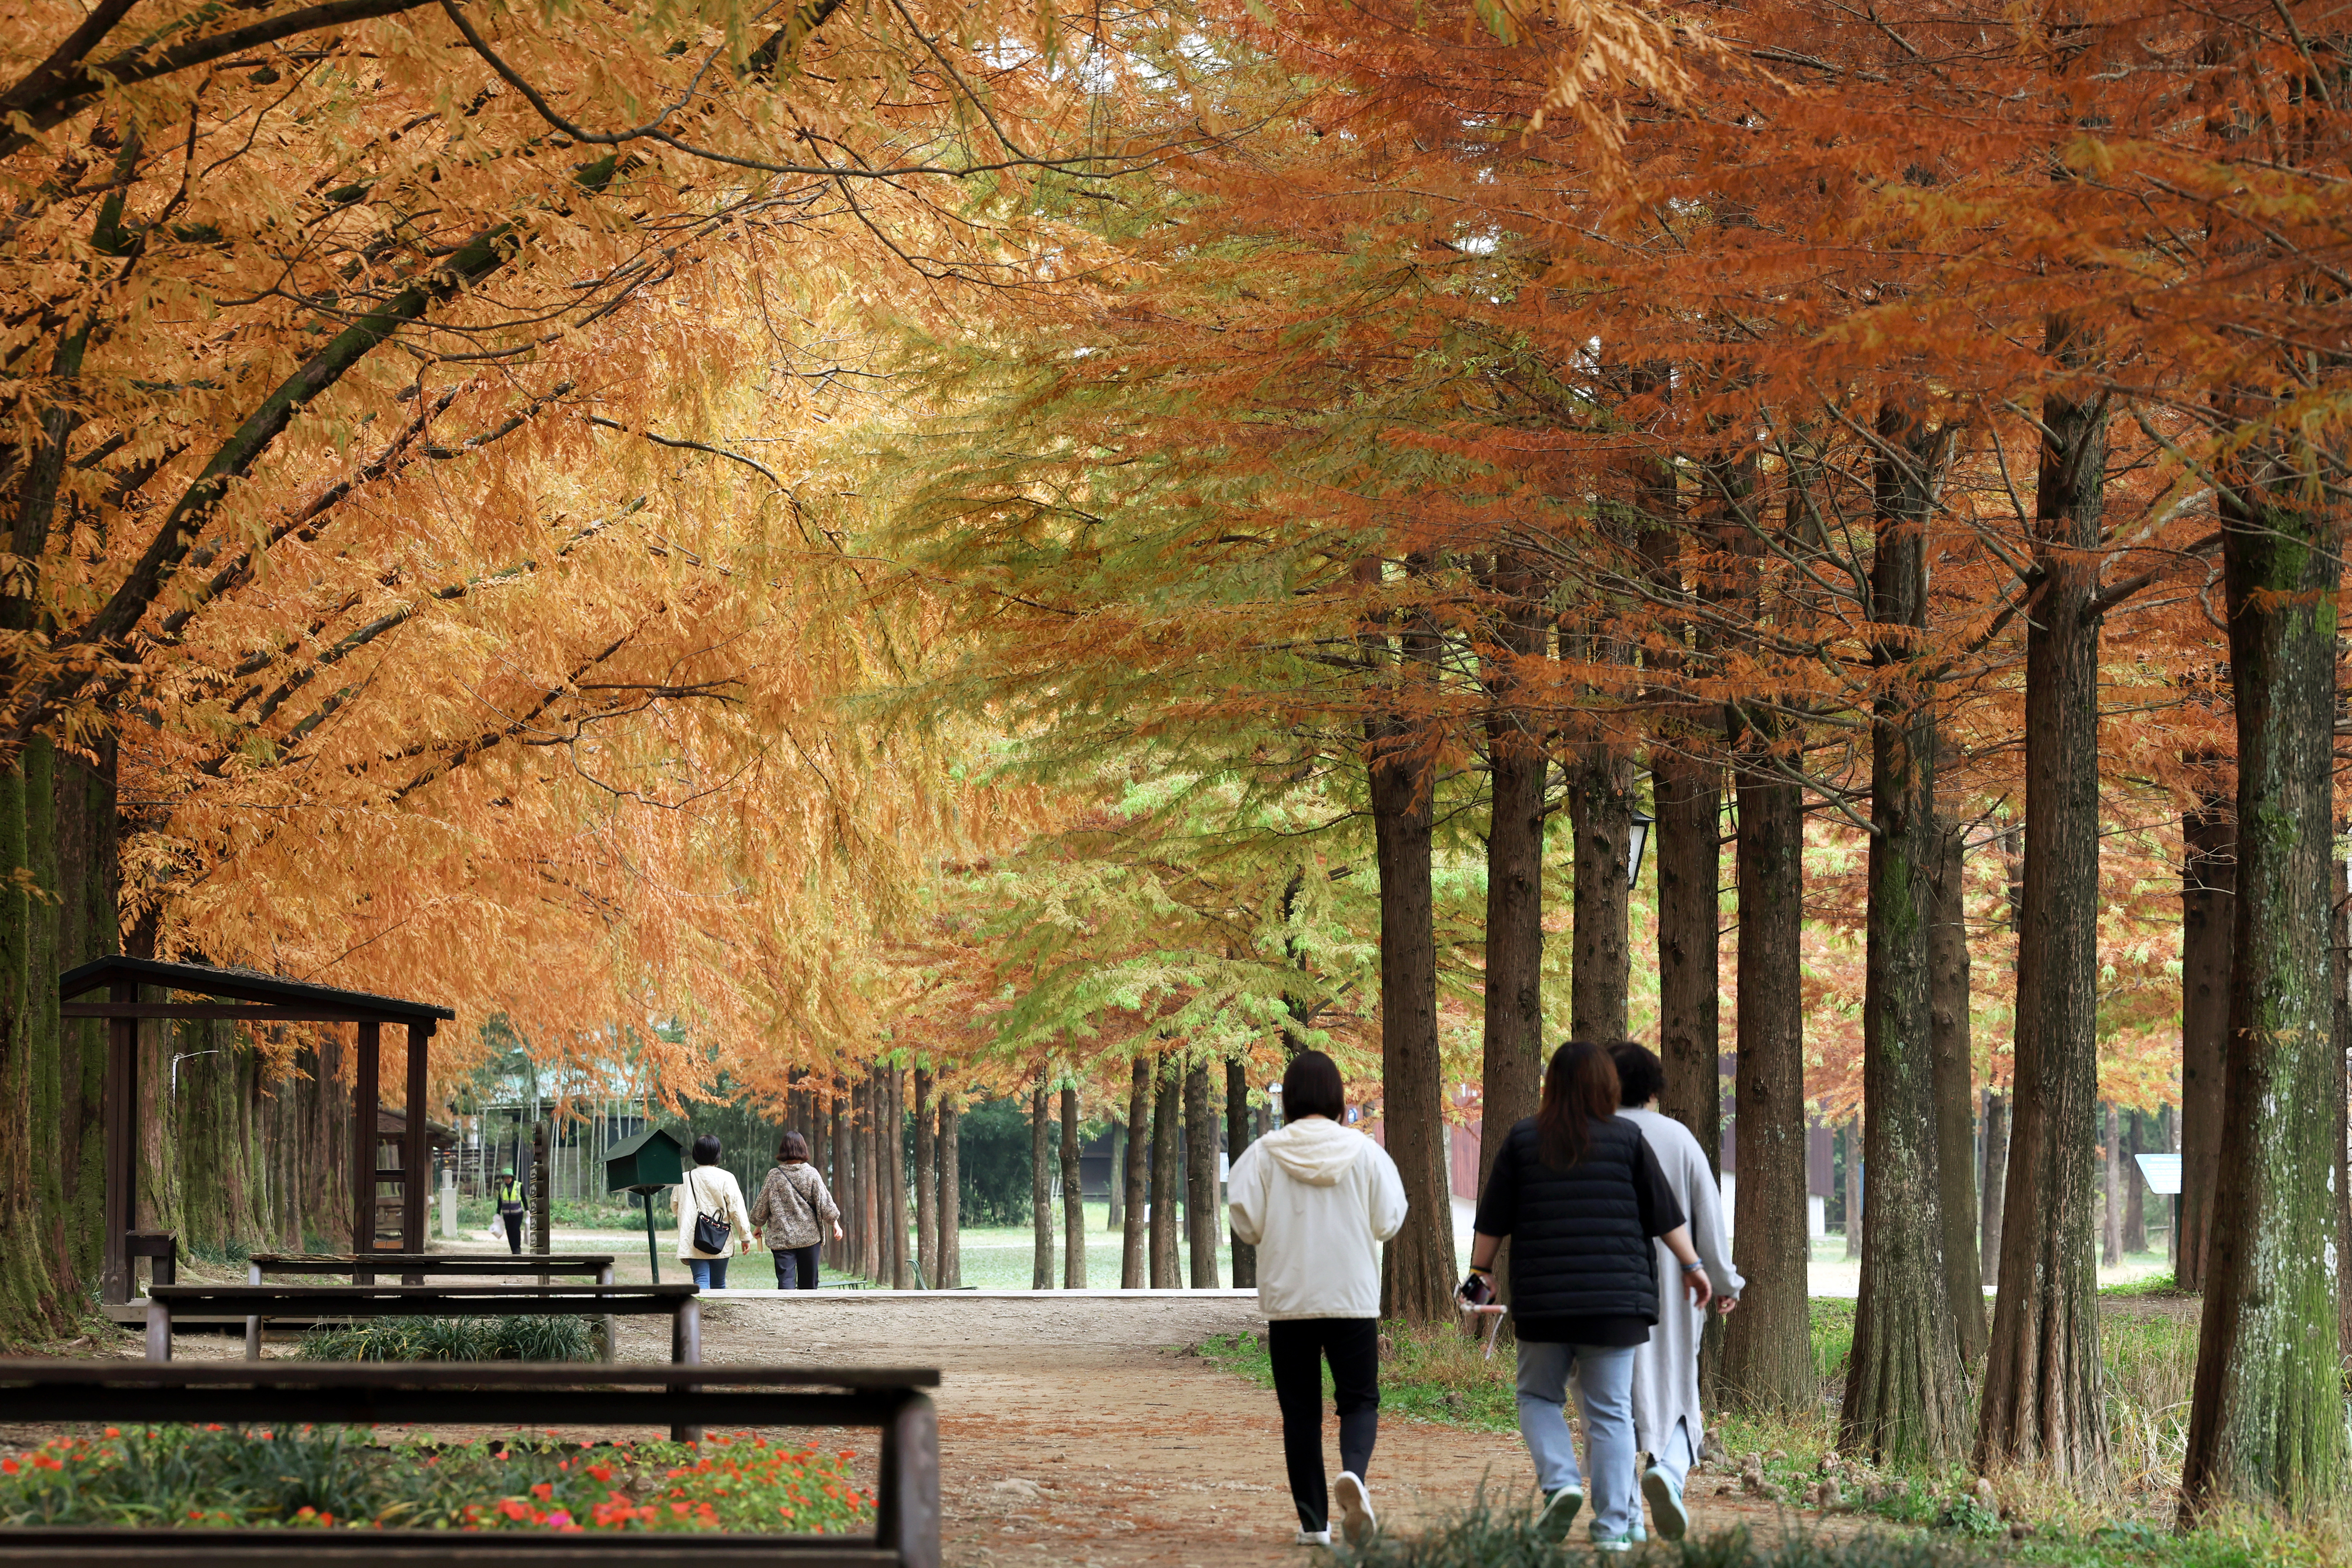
{"points": [[245, 986]]}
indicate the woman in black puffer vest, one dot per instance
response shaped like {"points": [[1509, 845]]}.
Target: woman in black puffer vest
{"points": [[1579, 1195]]}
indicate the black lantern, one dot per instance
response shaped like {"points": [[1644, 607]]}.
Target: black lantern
{"points": [[1637, 837]]}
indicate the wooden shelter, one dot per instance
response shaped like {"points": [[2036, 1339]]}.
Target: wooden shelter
{"points": [[248, 996]]}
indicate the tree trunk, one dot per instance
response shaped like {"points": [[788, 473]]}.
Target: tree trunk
{"points": [[2042, 1404], [1237, 1138], [1074, 1196], [2135, 1237], [1041, 1208], [1117, 1219], [88, 927], [2339, 928], [894, 1161], [1690, 990], [836, 1164], [2209, 898], [1768, 1359], [1996, 1183], [1134, 1253], [869, 1182], [2266, 1423], [1601, 801], [1905, 1399], [1201, 1207], [1512, 1047], [927, 1184], [950, 1157], [1853, 1139], [2111, 1205], [1956, 1096], [1167, 1107]]}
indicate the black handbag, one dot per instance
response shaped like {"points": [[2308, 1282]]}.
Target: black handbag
{"points": [[711, 1233]]}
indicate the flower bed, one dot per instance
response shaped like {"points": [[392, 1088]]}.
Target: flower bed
{"points": [[335, 1478]]}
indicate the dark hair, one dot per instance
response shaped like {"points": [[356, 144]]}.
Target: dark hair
{"points": [[1641, 1076], [1311, 1087], [705, 1150], [792, 1149], [1580, 1087]]}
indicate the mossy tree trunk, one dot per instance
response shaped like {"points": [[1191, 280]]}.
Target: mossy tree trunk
{"points": [[1073, 1207], [1166, 1111], [2209, 897], [1956, 1093], [1041, 1210], [1767, 1361], [927, 1181], [1201, 1207], [950, 1157], [2042, 1404], [1135, 1263], [1905, 1399], [2266, 1421], [1237, 1138]]}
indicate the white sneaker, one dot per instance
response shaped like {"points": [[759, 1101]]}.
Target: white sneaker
{"points": [[1666, 1508], [1357, 1525], [1314, 1538]]}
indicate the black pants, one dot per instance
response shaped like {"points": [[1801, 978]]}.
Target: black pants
{"points": [[514, 1232], [1297, 1348], [800, 1260]]}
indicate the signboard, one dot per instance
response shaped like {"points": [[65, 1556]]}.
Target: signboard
{"points": [[2162, 1172]]}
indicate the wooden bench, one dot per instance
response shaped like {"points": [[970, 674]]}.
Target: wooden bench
{"points": [[508, 1394], [161, 1245], [598, 1265], [258, 1303]]}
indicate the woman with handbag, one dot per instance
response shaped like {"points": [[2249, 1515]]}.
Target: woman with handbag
{"points": [[710, 1218], [795, 1207]]}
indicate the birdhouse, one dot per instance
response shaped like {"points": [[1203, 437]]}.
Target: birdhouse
{"points": [[645, 1164]]}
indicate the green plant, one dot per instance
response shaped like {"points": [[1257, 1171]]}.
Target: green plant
{"points": [[335, 1477], [1501, 1534], [454, 1339]]}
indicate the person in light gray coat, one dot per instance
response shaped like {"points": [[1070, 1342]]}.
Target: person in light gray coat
{"points": [[1668, 1424]]}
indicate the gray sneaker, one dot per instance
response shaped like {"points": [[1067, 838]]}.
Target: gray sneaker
{"points": [[1665, 1503], [1560, 1511]]}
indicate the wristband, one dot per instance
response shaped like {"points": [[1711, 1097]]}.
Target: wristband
{"points": [[1694, 1265], [1488, 1270]]}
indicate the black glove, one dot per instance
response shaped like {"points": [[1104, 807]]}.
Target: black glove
{"points": [[1477, 1291]]}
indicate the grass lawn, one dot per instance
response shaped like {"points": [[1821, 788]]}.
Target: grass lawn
{"points": [[1004, 1257]]}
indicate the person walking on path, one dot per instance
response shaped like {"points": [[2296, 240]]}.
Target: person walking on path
{"points": [[1317, 1198], [795, 1207], [510, 1198], [1579, 1194], [1668, 1424], [712, 1194]]}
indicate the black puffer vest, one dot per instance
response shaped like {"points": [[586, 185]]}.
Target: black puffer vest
{"points": [[1577, 1245]]}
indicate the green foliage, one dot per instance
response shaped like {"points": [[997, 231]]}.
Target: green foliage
{"points": [[454, 1339], [335, 1477], [993, 1161], [1501, 1534]]}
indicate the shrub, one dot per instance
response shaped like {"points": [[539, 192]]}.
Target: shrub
{"points": [[454, 1339]]}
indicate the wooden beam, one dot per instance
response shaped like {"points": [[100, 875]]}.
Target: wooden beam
{"points": [[364, 1133], [253, 1013], [118, 1205], [416, 1142]]}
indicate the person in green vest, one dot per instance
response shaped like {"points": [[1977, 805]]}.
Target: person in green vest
{"points": [[510, 1209]]}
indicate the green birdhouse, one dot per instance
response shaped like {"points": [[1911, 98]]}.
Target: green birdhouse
{"points": [[645, 1164]]}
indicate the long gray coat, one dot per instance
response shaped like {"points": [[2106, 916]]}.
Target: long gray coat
{"points": [[1666, 1370]]}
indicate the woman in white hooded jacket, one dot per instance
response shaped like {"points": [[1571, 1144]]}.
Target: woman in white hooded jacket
{"points": [[1318, 1198]]}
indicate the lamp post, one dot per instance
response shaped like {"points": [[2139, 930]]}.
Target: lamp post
{"points": [[1637, 837], [1273, 1096]]}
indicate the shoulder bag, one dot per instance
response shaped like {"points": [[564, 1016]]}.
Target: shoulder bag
{"points": [[710, 1231]]}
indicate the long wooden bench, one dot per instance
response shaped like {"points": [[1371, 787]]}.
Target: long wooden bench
{"points": [[598, 1265], [506, 1394], [258, 1303]]}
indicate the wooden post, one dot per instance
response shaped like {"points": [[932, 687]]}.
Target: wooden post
{"points": [[541, 1209], [907, 1507], [363, 1154], [158, 1331], [686, 1350], [416, 1164], [120, 1212]]}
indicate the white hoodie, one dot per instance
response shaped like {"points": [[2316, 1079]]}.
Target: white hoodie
{"points": [[1316, 1200]]}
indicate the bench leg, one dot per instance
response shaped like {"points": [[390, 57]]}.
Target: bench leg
{"points": [[253, 1339], [612, 1324], [686, 1350], [906, 1510], [159, 1332]]}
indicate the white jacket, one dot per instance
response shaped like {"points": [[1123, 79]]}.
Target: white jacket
{"points": [[715, 1192], [1316, 1199]]}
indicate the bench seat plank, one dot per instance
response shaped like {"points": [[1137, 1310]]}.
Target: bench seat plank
{"points": [[429, 1548]]}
